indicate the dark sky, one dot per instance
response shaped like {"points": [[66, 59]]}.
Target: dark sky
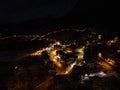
{"points": [[12, 11], [102, 12]]}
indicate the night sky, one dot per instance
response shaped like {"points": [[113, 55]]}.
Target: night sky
{"points": [[38, 12], [12, 11]]}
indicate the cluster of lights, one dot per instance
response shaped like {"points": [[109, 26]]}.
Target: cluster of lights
{"points": [[110, 42], [106, 63], [56, 58]]}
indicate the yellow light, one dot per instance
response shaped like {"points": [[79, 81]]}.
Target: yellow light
{"points": [[100, 55], [37, 52], [118, 51], [105, 65], [70, 67], [68, 50], [80, 52], [52, 55], [110, 61], [115, 40]]}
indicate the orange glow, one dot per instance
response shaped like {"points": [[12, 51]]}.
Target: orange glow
{"points": [[67, 71], [100, 55], [52, 55], [80, 52], [58, 62], [105, 65], [118, 51], [110, 61], [63, 46], [37, 52], [68, 50], [115, 40]]}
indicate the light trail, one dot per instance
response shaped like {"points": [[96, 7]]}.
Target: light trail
{"points": [[106, 63]]}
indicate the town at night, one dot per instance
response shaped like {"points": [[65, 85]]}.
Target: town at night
{"points": [[59, 45], [73, 58]]}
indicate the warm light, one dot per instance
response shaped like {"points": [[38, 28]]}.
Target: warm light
{"points": [[52, 55], [118, 51], [110, 61], [70, 67], [100, 55], [115, 40], [37, 53], [80, 52], [68, 50], [48, 49], [57, 43], [105, 65], [99, 37]]}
